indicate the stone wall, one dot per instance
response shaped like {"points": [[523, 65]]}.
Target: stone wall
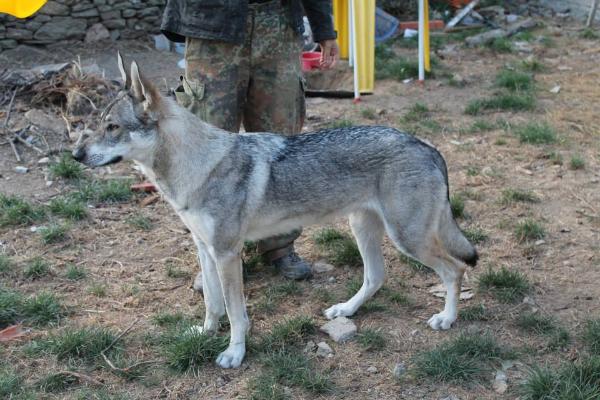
{"points": [[87, 20], [578, 8]]}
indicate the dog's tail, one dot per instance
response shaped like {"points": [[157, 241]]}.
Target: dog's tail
{"points": [[455, 241]]}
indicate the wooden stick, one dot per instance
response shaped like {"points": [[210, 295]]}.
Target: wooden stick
{"points": [[5, 127], [126, 369], [26, 143], [592, 15], [82, 377]]}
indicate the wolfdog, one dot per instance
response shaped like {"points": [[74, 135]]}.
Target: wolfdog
{"points": [[228, 188]]}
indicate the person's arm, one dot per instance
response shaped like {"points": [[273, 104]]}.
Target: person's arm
{"points": [[321, 23]]}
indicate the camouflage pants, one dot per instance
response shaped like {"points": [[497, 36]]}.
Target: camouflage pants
{"points": [[257, 83]]}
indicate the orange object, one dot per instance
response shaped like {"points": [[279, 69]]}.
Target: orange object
{"points": [[146, 187], [458, 3], [435, 24]]}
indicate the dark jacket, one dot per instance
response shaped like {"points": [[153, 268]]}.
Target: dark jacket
{"points": [[226, 19]]}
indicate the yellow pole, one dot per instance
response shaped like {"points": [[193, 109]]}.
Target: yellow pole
{"points": [[426, 36]]}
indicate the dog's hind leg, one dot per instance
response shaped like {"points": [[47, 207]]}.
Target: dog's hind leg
{"points": [[213, 294], [368, 230], [229, 268], [429, 250]]}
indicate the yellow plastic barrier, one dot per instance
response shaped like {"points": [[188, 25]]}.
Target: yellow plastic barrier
{"points": [[364, 35], [21, 8]]}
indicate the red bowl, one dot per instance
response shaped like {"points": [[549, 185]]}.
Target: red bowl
{"points": [[310, 60]]}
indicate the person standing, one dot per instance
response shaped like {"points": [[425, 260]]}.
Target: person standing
{"points": [[242, 66]]}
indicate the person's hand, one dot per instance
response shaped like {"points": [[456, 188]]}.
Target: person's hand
{"points": [[330, 52]]}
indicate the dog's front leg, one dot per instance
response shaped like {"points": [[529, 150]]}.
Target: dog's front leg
{"points": [[213, 295], [229, 268]]}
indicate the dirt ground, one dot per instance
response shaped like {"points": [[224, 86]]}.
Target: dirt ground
{"points": [[564, 268]]}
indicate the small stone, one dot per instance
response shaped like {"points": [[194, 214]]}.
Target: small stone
{"points": [[528, 300], [415, 332], [49, 183], [399, 370], [540, 242], [331, 279], [310, 347], [21, 170], [340, 329], [33, 229], [96, 33], [512, 18], [321, 266], [43, 161], [523, 47], [555, 89], [372, 370], [500, 384], [323, 349]]}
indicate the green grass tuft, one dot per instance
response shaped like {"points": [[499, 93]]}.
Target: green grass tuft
{"points": [[399, 298], [577, 162], [514, 80], [502, 102], [506, 285], [139, 221], [416, 113], [109, 191], [341, 249], [537, 323], [528, 230], [368, 113], [53, 233], [536, 133], [97, 289], [532, 65], [294, 369], [589, 33], [75, 272], [464, 358], [482, 125], [371, 339], [70, 208], [59, 382], [167, 319], [501, 45], [66, 168], [85, 344], [175, 272], [11, 383], [457, 205], [476, 312], [42, 309], [591, 336], [6, 265], [289, 333], [36, 268], [341, 123], [188, 350], [11, 304], [475, 235], [510, 196], [274, 294], [577, 381], [266, 387], [16, 211]]}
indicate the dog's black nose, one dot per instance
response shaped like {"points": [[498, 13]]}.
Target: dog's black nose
{"points": [[79, 154]]}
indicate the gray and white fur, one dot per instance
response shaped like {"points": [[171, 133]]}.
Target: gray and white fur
{"points": [[228, 188]]}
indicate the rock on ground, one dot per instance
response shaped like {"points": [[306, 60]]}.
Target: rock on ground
{"points": [[340, 329], [323, 349]]}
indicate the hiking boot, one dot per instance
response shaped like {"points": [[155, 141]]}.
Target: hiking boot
{"points": [[292, 266]]}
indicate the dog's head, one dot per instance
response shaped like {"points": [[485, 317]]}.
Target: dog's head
{"points": [[128, 126]]}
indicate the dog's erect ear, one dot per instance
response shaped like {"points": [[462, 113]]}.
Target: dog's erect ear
{"points": [[142, 90], [126, 79]]}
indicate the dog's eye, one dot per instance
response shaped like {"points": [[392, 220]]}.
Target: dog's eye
{"points": [[112, 127]]}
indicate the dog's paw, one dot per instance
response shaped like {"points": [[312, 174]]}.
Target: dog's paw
{"points": [[232, 357], [339, 310], [441, 321]]}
